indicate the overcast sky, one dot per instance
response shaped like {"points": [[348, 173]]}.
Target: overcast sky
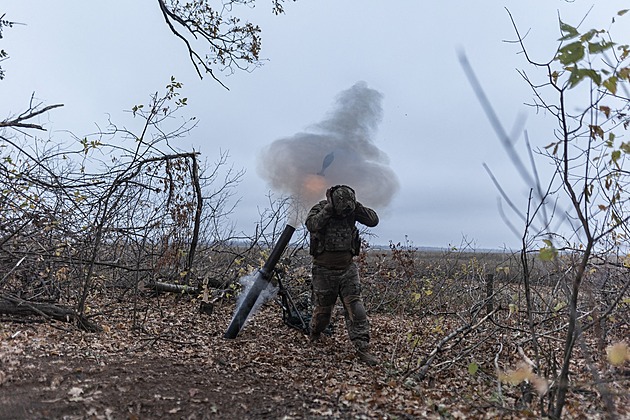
{"points": [[101, 58]]}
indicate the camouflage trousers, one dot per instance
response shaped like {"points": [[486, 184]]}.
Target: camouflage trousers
{"points": [[327, 286]]}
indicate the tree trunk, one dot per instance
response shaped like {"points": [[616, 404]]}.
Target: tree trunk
{"points": [[14, 306]]}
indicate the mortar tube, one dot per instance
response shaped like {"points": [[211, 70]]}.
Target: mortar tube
{"points": [[261, 280]]}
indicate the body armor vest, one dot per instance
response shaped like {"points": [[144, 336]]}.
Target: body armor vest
{"points": [[340, 234]]}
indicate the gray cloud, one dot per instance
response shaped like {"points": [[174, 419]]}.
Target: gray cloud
{"points": [[293, 165]]}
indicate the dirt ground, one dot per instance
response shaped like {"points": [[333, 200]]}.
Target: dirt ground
{"points": [[55, 388], [179, 366], [171, 362]]}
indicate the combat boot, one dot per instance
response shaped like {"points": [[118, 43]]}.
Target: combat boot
{"points": [[366, 357]]}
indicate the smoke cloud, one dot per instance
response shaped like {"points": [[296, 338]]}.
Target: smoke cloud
{"points": [[268, 293], [338, 150]]}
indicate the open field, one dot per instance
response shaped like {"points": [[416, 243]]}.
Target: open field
{"points": [[448, 349]]}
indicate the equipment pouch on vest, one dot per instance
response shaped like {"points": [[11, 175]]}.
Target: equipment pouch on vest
{"points": [[338, 236], [315, 247], [356, 242]]}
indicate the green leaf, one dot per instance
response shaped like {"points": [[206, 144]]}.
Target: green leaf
{"points": [[589, 35], [625, 147], [593, 75], [548, 253], [622, 12], [600, 47], [615, 155], [571, 53], [513, 308], [569, 31], [473, 368], [577, 75], [559, 306], [611, 84]]}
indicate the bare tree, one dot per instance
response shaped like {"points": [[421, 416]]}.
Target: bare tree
{"points": [[588, 193], [229, 43], [3, 54], [123, 202]]}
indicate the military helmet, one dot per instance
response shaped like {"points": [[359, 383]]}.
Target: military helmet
{"points": [[343, 199]]}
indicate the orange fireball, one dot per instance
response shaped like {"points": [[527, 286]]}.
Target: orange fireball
{"points": [[314, 187]]}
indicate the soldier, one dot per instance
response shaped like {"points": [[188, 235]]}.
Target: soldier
{"points": [[334, 242]]}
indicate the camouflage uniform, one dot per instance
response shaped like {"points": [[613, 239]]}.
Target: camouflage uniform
{"points": [[334, 242]]}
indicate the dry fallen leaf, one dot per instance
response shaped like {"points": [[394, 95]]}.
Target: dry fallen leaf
{"points": [[75, 394], [75, 391], [524, 373], [618, 353], [56, 381]]}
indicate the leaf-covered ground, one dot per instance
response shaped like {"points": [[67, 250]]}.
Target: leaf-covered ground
{"points": [[176, 364]]}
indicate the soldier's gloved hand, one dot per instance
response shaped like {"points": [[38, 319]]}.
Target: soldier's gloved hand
{"points": [[329, 195], [329, 205]]}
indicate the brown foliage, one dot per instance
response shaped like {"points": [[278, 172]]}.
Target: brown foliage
{"points": [[159, 357]]}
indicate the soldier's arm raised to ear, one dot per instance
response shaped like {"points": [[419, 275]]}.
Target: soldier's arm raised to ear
{"points": [[319, 216], [365, 215]]}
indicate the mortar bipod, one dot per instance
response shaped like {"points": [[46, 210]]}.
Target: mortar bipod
{"points": [[291, 316]]}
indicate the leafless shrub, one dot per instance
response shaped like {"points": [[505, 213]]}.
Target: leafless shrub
{"points": [[113, 211]]}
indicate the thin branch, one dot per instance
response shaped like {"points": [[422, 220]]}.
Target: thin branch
{"points": [[27, 115]]}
